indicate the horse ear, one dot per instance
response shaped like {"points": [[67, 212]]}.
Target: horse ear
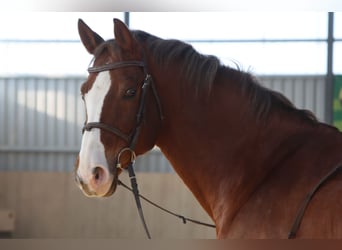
{"points": [[122, 34], [89, 38]]}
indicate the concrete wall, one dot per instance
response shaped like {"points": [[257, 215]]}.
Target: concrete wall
{"points": [[49, 205]]}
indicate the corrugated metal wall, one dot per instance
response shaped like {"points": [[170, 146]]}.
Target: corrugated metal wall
{"points": [[41, 120], [306, 92], [40, 123]]}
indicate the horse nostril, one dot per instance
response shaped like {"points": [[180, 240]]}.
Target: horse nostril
{"points": [[97, 173]]}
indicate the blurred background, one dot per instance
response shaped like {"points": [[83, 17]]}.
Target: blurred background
{"points": [[43, 64]]}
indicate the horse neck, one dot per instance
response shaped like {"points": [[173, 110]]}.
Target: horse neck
{"points": [[218, 149]]}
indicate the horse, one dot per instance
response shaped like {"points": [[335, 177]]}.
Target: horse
{"points": [[259, 166]]}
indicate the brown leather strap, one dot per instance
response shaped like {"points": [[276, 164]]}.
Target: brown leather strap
{"points": [[183, 218], [116, 65], [301, 211], [90, 125]]}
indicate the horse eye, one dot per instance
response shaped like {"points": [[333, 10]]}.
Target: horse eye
{"points": [[130, 93]]}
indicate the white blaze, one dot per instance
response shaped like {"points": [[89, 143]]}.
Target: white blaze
{"points": [[92, 152]]}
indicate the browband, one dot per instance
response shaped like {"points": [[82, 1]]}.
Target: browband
{"points": [[116, 65]]}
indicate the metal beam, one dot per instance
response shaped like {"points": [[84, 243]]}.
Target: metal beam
{"points": [[126, 18], [29, 149], [330, 73]]}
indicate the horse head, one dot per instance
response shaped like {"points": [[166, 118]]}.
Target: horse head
{"points": [[121, 119]]}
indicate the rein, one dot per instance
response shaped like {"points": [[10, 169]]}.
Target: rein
{"points": [[301, 211], [183, 218]]}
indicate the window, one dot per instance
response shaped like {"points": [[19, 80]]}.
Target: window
{"points": [[215, 33], [338, 44], [38, 43], [47, 43]]}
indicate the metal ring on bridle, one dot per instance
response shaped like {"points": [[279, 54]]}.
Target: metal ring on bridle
{"points": [[133, 156]]}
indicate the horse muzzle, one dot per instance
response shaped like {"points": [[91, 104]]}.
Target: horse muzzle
{"points": [[101, 182]]}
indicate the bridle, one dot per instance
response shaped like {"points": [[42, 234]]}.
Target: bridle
{"points": [[132, 137]]}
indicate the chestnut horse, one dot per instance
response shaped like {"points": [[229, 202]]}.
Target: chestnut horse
{"points": [[258, 166]]}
